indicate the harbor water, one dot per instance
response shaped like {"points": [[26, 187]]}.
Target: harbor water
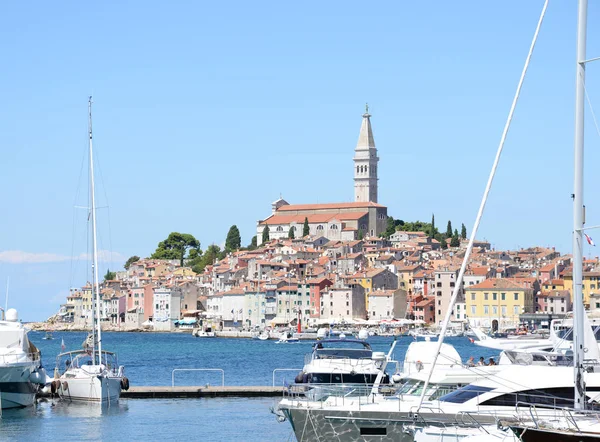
{"points": [[150, 359]]}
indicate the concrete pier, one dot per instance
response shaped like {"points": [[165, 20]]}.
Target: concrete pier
{"points": [[198, 392]]}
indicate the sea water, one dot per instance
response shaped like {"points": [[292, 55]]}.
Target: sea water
{"points": [[150, 358]]}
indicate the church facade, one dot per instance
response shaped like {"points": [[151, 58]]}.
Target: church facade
{"points": [[337, 221]]}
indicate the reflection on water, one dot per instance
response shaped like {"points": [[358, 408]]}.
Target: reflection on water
{"points": [[146, 419]]}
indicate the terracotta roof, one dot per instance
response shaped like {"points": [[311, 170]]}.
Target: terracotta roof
{"points": [[497, 283], [313, 218], [354, 205]]}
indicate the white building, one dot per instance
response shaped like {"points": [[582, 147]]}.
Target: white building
{"points": [[167, 308], [233, 308], [343, 304], [387, 304]]}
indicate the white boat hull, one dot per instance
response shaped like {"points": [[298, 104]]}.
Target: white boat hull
{"points": [[16, 390], [103, 388]]}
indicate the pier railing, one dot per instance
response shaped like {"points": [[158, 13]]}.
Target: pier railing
{"points": [[198, 369], [297, 370]]}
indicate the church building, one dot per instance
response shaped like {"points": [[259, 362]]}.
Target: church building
{"points": [[337, 221]]}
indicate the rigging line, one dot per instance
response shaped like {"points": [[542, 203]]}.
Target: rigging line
{"points": [[103, 185], [591, 108], [77, 194], [488, 187]]}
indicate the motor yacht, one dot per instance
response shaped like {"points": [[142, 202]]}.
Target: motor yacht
{"points": [[21, 372]]}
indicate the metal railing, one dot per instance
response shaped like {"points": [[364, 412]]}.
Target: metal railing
{"points": [[198, 369], [284, 369]]}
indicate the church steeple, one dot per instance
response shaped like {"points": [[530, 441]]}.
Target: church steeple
{"points": [[365, 162]]}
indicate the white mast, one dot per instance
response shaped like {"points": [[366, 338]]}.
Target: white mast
{"points": [[95, 285], [578, 212]]}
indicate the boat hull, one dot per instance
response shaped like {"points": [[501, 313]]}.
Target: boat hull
{"points": [[311, 425], [526, 434], [16, 390], [104, 389]]}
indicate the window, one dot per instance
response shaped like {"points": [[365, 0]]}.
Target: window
{"points": [[439, 293], [334, 227], [464, 394], [280, 229], [516, 296], [452, 284], [486, 309], [348, 312], [439, 312], [494, 310], [156, 306], [495, 296], [439, 284], [472, 296], [503, 309], [347, 304], [516, 310], [485, 296], [439, 302], [319, 227]]}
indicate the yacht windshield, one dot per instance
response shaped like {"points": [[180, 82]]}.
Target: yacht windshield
{"points": [[465, 394]]}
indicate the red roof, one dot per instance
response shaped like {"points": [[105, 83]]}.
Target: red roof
{"points": [[354, 205]]}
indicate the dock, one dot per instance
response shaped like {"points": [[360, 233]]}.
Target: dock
{"points": [[168, 392]]}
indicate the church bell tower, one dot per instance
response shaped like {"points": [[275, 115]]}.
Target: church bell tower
{"points": [[365, 163]]}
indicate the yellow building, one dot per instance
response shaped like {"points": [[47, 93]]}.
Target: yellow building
{"points": [[497, 303], [591, 284], [374, 279]]}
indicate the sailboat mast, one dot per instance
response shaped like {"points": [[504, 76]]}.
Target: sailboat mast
{"points": [[96, 287], [578, 212]]}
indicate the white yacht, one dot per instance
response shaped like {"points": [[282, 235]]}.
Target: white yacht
{"points": [[21, 371], [90, 375], [343, 361]]}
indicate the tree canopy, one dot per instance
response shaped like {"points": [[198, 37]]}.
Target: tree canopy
{"points": [[463, 232], [449, 230], [234, 240], [109, 275], [291, 233], [176, 246], [265, 234], [212, 253], [130, 261], [432, 228], [455, 241], [305, 228]]}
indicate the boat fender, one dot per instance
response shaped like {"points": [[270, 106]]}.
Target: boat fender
{"points": [[125, 384], [65, 386], [299, 378]]}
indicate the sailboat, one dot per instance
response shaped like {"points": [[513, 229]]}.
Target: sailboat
{"points": [[90, 374]]}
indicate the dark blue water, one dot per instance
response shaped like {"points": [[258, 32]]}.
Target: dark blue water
{"points": [[149, 359]]}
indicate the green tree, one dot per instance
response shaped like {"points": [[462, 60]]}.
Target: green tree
{"points": [[213, 253], [130, 261], [390, 228], [360, 234], [443, 243], [306, 228], [176, 246], [432, 229], [252, 244], [234, 240], [291, 233], [455, 241], [463, 232], [109, 275], [265, 234], [449, 230]]}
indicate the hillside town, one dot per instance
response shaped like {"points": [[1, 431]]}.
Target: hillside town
{"points": [[338, 263]]}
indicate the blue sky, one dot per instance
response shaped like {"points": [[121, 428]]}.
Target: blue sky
{"points": [[204, 112]]}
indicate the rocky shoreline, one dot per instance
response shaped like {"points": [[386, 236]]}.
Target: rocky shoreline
{"points": [[50, 327]]}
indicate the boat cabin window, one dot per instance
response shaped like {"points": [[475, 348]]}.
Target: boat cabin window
{"points": [[344, 378], [548, 397], [442, 390], [465, 394], [339, 353]]}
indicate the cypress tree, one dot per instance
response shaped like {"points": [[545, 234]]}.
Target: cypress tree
{"points": [[306, 228], [432, 231], [463, 232], [449, 230], [455, 242], [443, 243], [291, 233], [233, 240], [265, 235]]}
